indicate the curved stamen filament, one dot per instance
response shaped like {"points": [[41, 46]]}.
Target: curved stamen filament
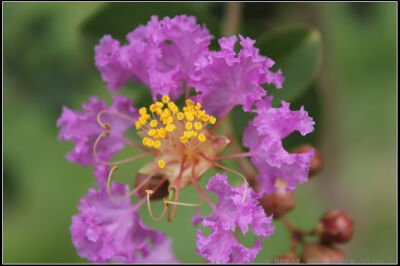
{"points": [[171, 216], [147, 179], [230, 170], [149, 192], [105, 134], [183, 203], [186, 204], [113, 169], [107, 126], [202, 194]]}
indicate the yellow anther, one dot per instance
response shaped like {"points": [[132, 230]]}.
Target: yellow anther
{"points": [[175, 109], [151, 132], [144, 141], [142, 120], [138, 125], [150, 142], [201, 137], [159, 111], [198, 106], [161, 163], [143, 111], [157, 144], [198, 125], [213, 120], [161, 133], [194, 133], [170, 120], [180, 116], [189, 125], [149, 191], [159, 104], [199, 114], [170, 127], [106, 126], [189, 116], [165, 99], [205, 118], [189, 102], [171, 105], [187, 134], [153, 108], [153, 123], [183, 139]]}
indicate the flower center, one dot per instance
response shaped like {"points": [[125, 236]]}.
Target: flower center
{"points": [[181, 136]]}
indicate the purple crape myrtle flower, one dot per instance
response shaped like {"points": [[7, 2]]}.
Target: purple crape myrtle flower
{"points": [[160, 55], [221, 246], [225, 79], [82, 127], [264, 136], [107, 229], [171, 56]]}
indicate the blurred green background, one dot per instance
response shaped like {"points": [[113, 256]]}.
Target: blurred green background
{"points": [[339, 61]]}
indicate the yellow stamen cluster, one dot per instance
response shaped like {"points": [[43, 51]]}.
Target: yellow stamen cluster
{"points": [[165, 117], [195, 117]]}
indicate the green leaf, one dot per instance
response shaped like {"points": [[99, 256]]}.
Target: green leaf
{"points": [[297, 52]]}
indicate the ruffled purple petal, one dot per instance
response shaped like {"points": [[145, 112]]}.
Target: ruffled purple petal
{"points": [[111, 61], [225, 79], [159, 54], [220, 246], [263, 137], [82, 128], [107, 229]]}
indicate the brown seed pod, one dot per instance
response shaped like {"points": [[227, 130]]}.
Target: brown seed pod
{"points": [[337, 227]]}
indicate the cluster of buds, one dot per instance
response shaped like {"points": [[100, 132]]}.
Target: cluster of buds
{"points": [[334, 227]]}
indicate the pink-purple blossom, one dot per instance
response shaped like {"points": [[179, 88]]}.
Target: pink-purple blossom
{"points": [[82, 128], [160, 54], [226, 79], [166, 55], [107, 229], [220, 246], [264, 136]]}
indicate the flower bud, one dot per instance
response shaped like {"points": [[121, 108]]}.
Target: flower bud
{"points": [[289, 257], [316, 161], [337, 227], [160, 193], [279, 202], [317, 253]]}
